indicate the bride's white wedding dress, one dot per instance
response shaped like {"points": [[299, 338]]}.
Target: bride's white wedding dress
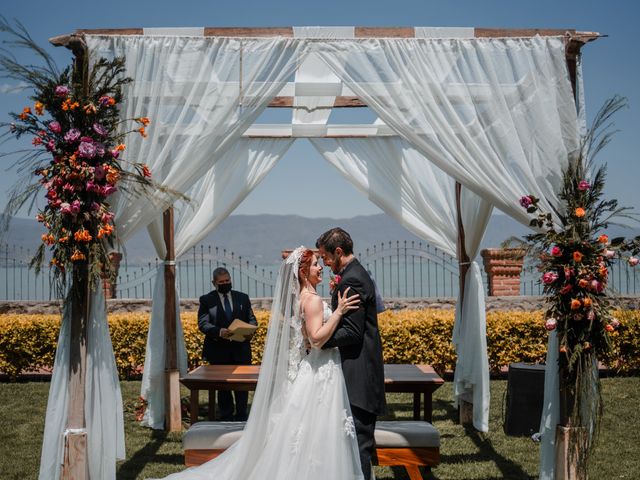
{"points": [[312, 437]]}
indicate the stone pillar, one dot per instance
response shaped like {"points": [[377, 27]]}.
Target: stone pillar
{"points": [[503, 267], [109, 285]]}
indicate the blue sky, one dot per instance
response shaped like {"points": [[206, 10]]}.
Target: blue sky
{"points": [[611, 66]]}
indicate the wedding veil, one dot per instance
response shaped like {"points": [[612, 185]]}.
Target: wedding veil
{"points": [[284, 348]]}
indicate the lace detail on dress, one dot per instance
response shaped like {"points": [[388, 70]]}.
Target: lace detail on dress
{"points": [[349, 426]]}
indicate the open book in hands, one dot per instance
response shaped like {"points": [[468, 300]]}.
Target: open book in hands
{"points": [[241, 331]]}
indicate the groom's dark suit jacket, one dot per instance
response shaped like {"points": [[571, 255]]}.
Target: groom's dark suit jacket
{"points": [[358, 339], [211, 318]]}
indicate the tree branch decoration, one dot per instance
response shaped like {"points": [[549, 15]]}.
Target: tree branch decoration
{"points": [[574, 257], [78, 153]]}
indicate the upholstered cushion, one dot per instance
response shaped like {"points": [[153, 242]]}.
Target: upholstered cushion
{"points": [[212, 435], [406, 433], [389, 434]]}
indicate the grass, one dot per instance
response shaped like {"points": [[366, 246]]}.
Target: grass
{"points": [[464, 454]]}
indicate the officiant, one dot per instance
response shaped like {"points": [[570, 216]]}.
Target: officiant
{"points": [[217, 310]]}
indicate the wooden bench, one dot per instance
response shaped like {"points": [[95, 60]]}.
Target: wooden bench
{"points": [[411, 443]]}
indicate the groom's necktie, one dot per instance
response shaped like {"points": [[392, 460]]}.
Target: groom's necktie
{"points": [[227, 307]]}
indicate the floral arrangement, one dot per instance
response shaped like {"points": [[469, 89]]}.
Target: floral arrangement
{"points": [[76, 131], [334, 280], [574, 257]]}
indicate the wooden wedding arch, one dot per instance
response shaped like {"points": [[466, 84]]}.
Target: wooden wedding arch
{"points": [[574, 40]]}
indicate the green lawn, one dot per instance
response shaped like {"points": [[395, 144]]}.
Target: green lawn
{"points": [[465, 455]]}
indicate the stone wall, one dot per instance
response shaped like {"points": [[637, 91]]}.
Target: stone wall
{"points": [[507, 303]]}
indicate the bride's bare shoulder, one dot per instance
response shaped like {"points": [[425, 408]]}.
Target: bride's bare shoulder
{"points": [[310, 301]]}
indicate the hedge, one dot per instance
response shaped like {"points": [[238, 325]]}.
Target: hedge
{"points": [[28, 342]]}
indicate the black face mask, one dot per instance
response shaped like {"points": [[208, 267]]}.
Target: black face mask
{"points": [[224, 288]]}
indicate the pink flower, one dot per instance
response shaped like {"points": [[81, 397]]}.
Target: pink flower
{"points": [[556, 251], [584, 185], [55, 127], [615, 323], [72, 135], [596, 286], [50, 146], [550, 324], [99, 172], [92, 187], [95, 206], [87, 150], [591, 315], [61, 91], [99, 129], [108, 190], [526, 201], [633, 261], [107, 217], [609, 253], [67, 187], [115, 153], [549, 277]]}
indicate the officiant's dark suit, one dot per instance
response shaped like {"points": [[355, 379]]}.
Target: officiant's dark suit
{"points": [[213, 321], [358, 340]]}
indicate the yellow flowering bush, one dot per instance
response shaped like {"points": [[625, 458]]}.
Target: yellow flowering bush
{"points": [[28, 342]]}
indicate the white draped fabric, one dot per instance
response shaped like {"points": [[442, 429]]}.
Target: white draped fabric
{"points": [[178, 85], [201, 94], [497, 115], [103, 399], [471, 376], [421, 197], [214, 196]]}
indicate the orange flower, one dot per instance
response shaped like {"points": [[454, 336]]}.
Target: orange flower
{"points": [[77, 255], [586, 302], [609, 328], [142, 132], [575, 304], [82, 236], [63, 239], [69, 105], [105, 230], [26, 111], [579, 212], [563, 349], [121, 147], [577, 256], [113, 175], [90, 108], [603, 239], [145, 171], [143, 120], [582, 283], [39, 107], [48, 239]]}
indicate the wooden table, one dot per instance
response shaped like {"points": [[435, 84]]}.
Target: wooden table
{"points": [[416, 379]]}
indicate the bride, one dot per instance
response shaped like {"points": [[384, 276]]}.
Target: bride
{"points": [[300, 425]]}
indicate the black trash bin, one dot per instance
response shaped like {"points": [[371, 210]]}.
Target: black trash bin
{"points": [[524, 399]]}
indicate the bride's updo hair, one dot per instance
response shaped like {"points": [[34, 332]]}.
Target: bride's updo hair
{"points": [[305, 264]]}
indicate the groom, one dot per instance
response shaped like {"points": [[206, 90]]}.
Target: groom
{"points": [[358, 339]]}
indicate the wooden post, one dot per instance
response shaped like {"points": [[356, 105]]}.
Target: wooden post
{"points": [[465, 409], [173, 416], [75, 465]]}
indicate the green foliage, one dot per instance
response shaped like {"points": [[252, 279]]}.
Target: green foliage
{"points": [[28, 342]]}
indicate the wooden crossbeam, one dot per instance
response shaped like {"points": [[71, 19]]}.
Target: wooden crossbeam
{"points": [[359, 32]]}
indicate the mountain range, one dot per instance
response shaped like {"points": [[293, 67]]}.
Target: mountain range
{"points": [[261, 238]]}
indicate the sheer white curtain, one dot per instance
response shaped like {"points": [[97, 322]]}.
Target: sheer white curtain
{"points": [[103, 398], [421, 197], [201, 94], [213, 198], [497, 115], [471, 376], [200, 100]]}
